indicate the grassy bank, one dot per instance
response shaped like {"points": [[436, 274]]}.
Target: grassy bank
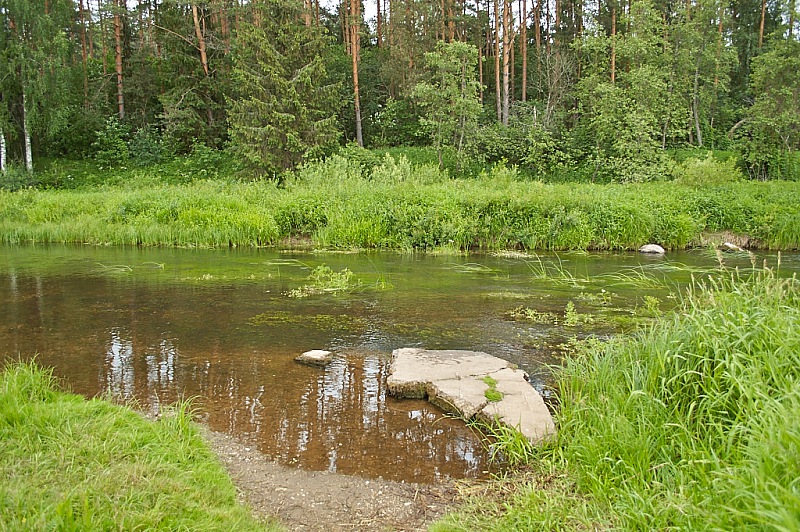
{"points": [[693, 425], [72, 464], [339, 203]]}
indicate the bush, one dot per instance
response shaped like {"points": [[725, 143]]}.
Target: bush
{"points": [[707, 171], [16, 178], [148, 147], [111, 148]]}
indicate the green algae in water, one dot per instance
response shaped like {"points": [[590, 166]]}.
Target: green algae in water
{"points": [[342, 322]]}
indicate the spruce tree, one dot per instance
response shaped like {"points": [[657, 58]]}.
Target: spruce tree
{"points": [[283, 107]]}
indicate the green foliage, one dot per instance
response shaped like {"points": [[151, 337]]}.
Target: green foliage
{"points": [[533, 315], [492, 394], [771, 133], [147, 147], [16, 178], [324, 280], [708, 171], [73, 464], [398, 124], [690, 425], [449, 95], [111, 146], [282, 110], [396, 205], [506, 444]]}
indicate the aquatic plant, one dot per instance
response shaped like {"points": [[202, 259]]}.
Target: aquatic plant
{"points": [[325, 280], [533, 315]]}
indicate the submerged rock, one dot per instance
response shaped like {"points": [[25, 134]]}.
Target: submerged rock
{"points": [[652, 248], [456, 381], [315, 357]]}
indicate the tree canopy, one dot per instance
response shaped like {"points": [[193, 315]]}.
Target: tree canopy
{"points": [[610, 87]]}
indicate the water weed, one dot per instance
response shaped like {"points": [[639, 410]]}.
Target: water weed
{"points": [[325, 280]]}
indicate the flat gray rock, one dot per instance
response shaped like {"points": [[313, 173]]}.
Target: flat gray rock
{"points": [[453, 381], [315, 357]]}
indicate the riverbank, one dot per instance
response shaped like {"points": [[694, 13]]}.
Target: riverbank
{"points": [[692, 424], [74, 464], [339, 204]]}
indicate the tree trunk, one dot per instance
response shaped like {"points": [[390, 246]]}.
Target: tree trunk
{"points": [[355, 6], [480, 72], [523, 43], [27, 134], [451, 22], [118, 41], [102, 37], [506, 58], [613, 44], [2, 151], [696, 102], [761, 28], [84, 56], [537, 35], [201, 42], [498, 95], [380, 25]]}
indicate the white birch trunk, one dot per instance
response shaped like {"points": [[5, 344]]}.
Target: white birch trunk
{"points": [[2, 152], [27, 134]]}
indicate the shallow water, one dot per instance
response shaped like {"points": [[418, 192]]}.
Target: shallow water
{"points": [[157, 325]]}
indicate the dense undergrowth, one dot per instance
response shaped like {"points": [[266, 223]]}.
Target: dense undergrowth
{"points": [[69, 463], [692, 425], [395, 204]]}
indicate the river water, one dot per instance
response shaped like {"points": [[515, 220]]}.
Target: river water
{"points": [[154, 326]]}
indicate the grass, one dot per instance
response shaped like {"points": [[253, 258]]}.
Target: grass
{"points": [[693, 424], [399, 205], [73, 464]]}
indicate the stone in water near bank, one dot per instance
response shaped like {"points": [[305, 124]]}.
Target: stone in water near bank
{"points": [[315, 357], [652, 248], [454, 381], [731, 248]]}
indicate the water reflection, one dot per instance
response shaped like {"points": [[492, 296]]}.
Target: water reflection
{"points": [[338, 419], [218, 327]]}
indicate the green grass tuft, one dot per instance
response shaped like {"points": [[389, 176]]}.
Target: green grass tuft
{"points": [[692, 424], [75, 464]]}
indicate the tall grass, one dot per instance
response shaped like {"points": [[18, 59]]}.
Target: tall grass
{"points": [[340, 204], [692, 425], [72, 464]]}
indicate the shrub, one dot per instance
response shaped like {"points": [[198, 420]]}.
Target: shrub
{"points": [[111, 148], [707, 171]]}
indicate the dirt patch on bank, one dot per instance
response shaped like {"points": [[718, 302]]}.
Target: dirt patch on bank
{"points": [[317, 501]]}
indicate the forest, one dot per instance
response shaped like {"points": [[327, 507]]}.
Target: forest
{"points": [[612, 91]]}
